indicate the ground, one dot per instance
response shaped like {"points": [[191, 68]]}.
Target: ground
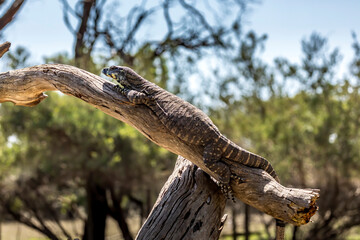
{"points": [[16, 231]]}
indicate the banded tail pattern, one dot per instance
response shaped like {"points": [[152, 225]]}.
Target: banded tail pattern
{"points": [[235, 153], [192, 125], [187, 122]]}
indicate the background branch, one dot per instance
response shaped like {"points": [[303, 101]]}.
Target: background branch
{"points": [[10, 13]]}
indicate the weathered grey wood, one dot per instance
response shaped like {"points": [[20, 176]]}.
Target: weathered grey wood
{"points": [[189, 206], [26, 86]]}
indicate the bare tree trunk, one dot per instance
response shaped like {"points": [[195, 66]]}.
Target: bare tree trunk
{"points": [[148, 202], [189, 207], [141, 207]]}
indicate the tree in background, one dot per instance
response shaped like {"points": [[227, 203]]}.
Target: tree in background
{"points": [[190, 31], [72, 156], [309, 132]]}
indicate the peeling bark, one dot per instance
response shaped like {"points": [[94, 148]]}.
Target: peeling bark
{"points": [[189, 206]]}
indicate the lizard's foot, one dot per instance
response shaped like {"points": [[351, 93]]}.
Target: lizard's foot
{"points": [[237, 178], [212, 156], [227, 191], [119, 89]]}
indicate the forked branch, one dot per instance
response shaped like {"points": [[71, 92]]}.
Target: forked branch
{"points": [[27, 86]]}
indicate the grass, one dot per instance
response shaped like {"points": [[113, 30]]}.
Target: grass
{"points": [[16, 231]]}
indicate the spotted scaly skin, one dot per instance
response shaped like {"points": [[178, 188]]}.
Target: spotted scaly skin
{"points": [[192, 126], [187, 122]]}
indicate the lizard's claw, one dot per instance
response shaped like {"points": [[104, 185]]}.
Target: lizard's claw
{"points": [[227, 191], [117, 88], [237, 178], [120, 89]]}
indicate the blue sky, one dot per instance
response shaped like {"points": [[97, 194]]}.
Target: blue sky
{"points": [[40, 27], [289, 21]]}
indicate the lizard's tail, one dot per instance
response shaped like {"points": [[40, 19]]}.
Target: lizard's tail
{"points": [[235, 153], [238, 154], [280, 230]]}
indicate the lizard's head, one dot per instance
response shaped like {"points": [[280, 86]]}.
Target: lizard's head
{"points": [[123, 75]]}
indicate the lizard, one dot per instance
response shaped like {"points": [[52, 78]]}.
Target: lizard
{"points": [[191, 125]]}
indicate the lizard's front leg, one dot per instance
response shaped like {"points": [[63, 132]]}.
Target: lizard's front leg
{"points": [[211, 157], [134, 96]]}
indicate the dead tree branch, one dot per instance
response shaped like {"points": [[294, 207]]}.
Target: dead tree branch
{"points": [[10, 13], [4, 48], [26, 87]]}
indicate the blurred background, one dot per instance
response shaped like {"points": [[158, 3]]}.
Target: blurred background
{"points": [[279, 78]]}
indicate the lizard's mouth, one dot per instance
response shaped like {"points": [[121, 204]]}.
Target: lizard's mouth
{"points": [[108, 73], [117, 75]]}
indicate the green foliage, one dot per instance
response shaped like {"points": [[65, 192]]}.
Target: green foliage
{"points": [[64, 140], [311, 129], [18, 58], [311, 136], [75, 137]]}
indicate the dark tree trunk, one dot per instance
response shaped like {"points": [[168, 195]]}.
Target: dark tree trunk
{"points": [[149, 202], [82, 54], [118, 214], [295, 229], [234, 224], [121, 220], [97, 210], [247, 222]]}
